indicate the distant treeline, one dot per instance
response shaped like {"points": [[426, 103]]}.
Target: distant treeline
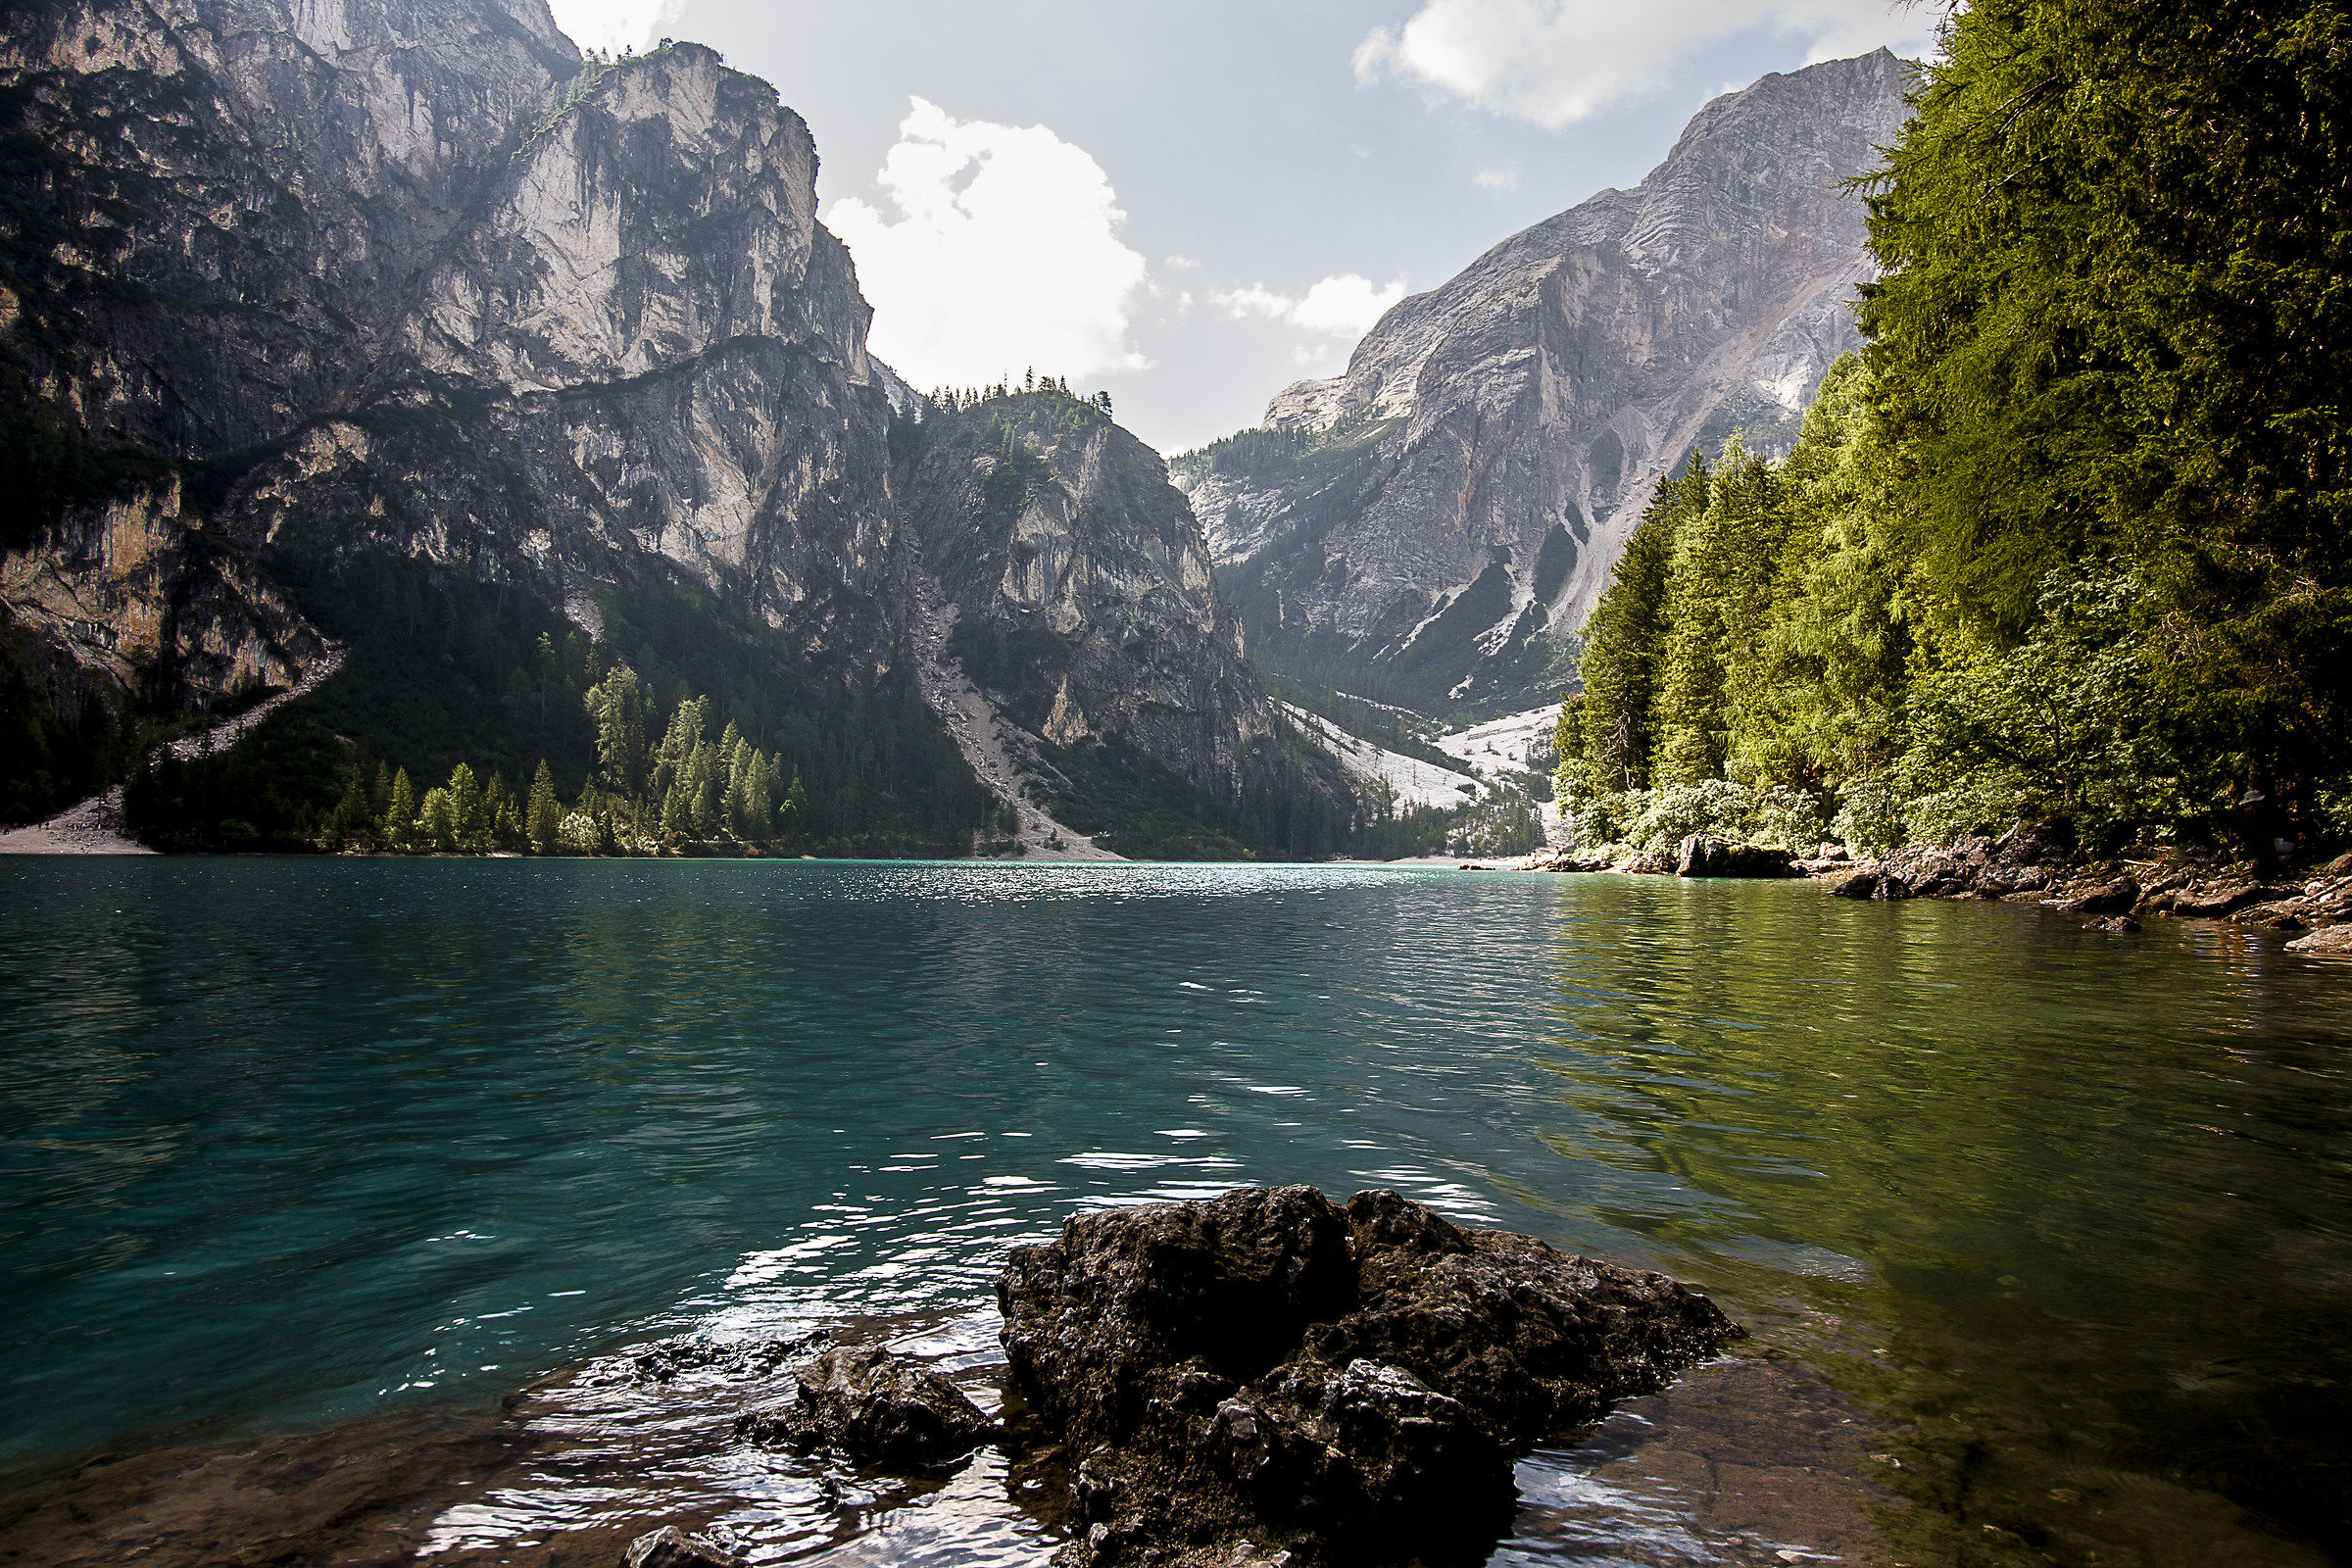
{"points": [[444, 672], [951, 400], [2068, 541]]}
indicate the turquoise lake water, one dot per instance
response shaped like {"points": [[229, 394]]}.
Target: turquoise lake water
{"points": [[2066, 1217]]}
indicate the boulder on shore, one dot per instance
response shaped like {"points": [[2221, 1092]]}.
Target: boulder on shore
{"points": [[1703, 855], [1266, 1373], [2105, 898], [1861, 884], [875, 1407]]}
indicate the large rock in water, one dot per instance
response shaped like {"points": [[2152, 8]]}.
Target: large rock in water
{"points": [[1266, 1372]]}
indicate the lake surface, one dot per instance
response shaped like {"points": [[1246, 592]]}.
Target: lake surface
{"points": [[2044, 1236]]}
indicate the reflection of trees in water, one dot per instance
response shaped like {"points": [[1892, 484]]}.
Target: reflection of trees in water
{"points": [[2087, 1198]]}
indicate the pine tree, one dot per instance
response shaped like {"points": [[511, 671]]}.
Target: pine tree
{"points": [[438, 820], [1624, 645], [351, 818], [470, 827], [543, 817], [400, 814]]}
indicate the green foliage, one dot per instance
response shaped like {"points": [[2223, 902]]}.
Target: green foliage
{"points": [[443, 673], [1658, 820], [1869, 821], [2113, 335], [2074, 722], [1718, 597], [1617, 715], [2068, 542], [269, 792]]}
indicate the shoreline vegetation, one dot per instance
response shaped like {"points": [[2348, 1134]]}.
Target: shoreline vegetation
{"points": [[2065, 550]]}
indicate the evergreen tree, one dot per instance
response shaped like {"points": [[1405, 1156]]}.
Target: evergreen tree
{"points": [[2111, 341], [543, 817], [438, 820], [400, 813], [1624, 645], [469, 824]]}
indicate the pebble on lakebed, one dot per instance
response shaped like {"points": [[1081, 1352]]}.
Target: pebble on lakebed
{"points": [[1268, 1377]]}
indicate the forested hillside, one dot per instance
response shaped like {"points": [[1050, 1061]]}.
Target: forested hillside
{"points": [[2067, 542]]}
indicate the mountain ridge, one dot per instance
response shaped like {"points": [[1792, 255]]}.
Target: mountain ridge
{"points": [[1501, 432]]}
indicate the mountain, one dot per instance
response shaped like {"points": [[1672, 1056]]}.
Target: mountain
{"points": [[399, 328], [1084, 596], [1431, 525]]}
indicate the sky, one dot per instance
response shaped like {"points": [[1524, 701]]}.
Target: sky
{"points": [[1192, 205]]}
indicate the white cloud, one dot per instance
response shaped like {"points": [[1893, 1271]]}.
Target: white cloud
{"points": [[615, 25], [999, 248], [1335, 311], [1344, 304], [1554, 62], [1181, 263], [1497, 179]]}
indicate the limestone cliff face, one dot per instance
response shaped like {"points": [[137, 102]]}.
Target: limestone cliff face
{"points": [[135, 596], [1457, 498], [1082, 585], [641, 351]]}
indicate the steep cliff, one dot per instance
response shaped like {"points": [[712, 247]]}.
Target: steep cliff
{"points": [[1074, 595], [296, 288], [1085, 602], [1431, 523]]}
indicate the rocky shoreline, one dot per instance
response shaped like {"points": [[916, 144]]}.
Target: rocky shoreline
{"points": [[2118, 894], [1264, 1378]]}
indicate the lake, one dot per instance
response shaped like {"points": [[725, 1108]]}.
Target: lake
{"points": [[2044, 1236]]}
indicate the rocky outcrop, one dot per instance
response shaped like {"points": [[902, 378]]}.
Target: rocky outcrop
{"points": [[875, 1407], [1085, 602], [2333, 940], [1267, 1373], [134, 595], [1702, 855], [1456, 500]]}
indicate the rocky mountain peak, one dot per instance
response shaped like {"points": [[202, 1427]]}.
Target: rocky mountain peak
{"points": [[1436, 520]]}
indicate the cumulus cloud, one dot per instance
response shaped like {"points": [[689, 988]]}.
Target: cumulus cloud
{"points": [[1497, 179], [991, 248], [1554, 62], [615, 25], [1342, 306]]}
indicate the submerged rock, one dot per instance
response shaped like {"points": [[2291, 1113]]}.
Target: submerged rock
{"points": [[671, 1547], [877, 1406], [1264, 1372]]}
